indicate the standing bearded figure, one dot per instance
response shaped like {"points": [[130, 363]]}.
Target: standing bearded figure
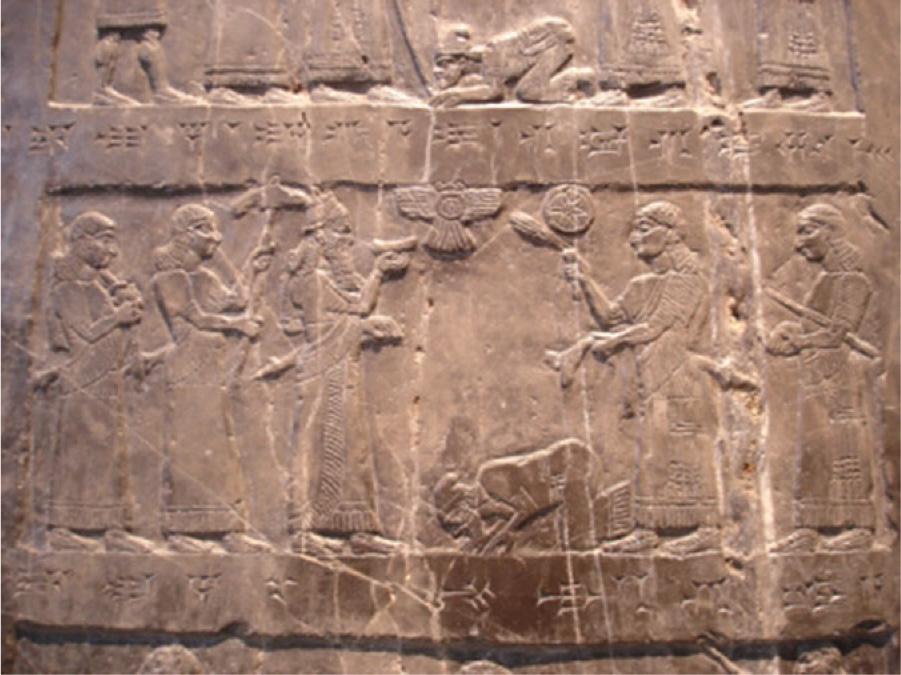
{"points": [[329, 306], [661, 317], [833, 481]]}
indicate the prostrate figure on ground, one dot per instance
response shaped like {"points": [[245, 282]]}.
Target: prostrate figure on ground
{"points": [[539, 499], [529, 64]]}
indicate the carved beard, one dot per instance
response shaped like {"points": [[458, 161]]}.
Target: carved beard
{"points": [[341, 264], [177, 254], [189, 258]]}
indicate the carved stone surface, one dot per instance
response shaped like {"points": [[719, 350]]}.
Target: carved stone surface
{"points": [[450, 336]]}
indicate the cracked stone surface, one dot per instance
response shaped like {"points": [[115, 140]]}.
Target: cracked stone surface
{"points": [[450, 336]]}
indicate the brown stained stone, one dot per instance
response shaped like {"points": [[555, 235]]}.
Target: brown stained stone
{"points": [[450, 337]]}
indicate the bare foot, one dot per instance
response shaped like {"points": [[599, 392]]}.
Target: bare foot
{"points": [[640, 541]]}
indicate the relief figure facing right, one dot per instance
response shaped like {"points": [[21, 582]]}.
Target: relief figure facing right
{"points": [[91, 318], [331, 308], [203, 300], [833, 483]]}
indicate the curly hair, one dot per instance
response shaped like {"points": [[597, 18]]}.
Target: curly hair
{"points": [[89, 224], [833, 220], [187, 215], [666, 214]]}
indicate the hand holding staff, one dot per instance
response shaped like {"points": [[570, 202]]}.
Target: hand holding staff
{"points": [[532, 230]]}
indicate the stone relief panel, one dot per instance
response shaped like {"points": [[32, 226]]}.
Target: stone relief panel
{"points": [[477, 337], [819, 287]]}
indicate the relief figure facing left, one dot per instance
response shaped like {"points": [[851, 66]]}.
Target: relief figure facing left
{"points": [[331, 307], [661, 318]]}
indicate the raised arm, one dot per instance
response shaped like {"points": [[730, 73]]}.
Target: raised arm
{"points": [[70, 305], [607, 313], [390, 262], [234, 296], [369, 294], [291, 316]]}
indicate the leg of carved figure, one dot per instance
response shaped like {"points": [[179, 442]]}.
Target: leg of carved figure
{"points": [[106, 59], [811, 479], [819, 101], [769, 98], [152, 57], [691, 431], [639, 541], [535, 86], [572, 83], [850, 491], [120, 541], [204, 493], [615, 516], [815, 461]]}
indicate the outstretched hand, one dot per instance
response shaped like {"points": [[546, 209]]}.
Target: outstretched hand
{"points": [[382, 329], [785, 339], [392, 262], [249, 326], [129, 313]]}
